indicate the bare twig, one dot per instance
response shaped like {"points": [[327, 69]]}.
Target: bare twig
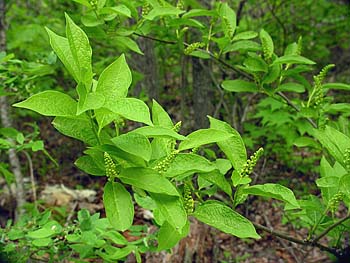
{"points": [[336, 252], [31, 173]]}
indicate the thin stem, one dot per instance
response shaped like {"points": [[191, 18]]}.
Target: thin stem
{"points": [[291, 104], [325, 232], [93, 126], [304, 242], [32, 179]]}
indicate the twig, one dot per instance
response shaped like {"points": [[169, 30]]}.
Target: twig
{"points": [[291, 104], [31, 173], [333, 251], [325, 232], [71, 213]]}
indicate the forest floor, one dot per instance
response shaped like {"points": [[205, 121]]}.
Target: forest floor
{"points": [[203, 245]]}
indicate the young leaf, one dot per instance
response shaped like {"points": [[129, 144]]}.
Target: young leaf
{"points": [[114, 81], [276, 191], [225, 219], [186, 164], [218, 179], [169, 236], [87, 164], [291, 87], [172, 209], [293, 59], [81, 51], [202, 137], [239, 85], [88, 101], [134, 143], [233, 148], [50, 103], [147, 179], [61, 47], [334, 141], [131, 109], [118, 205], [76, 127], [160, 117], [159, 132], [163, 11]]}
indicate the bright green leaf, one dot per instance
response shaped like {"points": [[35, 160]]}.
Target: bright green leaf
{"points": [[118, 205], [50, 103], [225, 219]]}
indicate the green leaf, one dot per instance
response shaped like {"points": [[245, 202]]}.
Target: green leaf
{"points": [[233, 148], [202, 137], [89, 166], [198, 12], [172, 209], [243, 45], [147, 179], [119, 10], [276, 191], [293, 59], [160, 117], [41, 233], [76, 127], [338, 86], [218, 179], [81, 51], [334, 141], [169, 236], [104, 117], [245, 35], [131, 109], [291, 87], [229, 20], [163, 11], [159, 132], [118, 205], [306, 142], [225, 219], [50, 103], [266, 42], [238, 180], [42, 242], [88, 101], [134, 143], [61, 47], [255, 64], [128, 43], [344, 185], [114, 81], [186, 164], [239, 85], [272, 75]]}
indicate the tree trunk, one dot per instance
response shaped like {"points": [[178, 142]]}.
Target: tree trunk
{"points": [[202, 85], [7, 122], [148, 66]]}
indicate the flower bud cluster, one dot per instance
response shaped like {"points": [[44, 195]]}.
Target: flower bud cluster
{"points": [[192, 47], [250, 164], [228, 26], [146, 8], [333, 203], [93, 4], [111, 169], [347, 159], [188, 199], [164, 164], [180, 5], [318, 93]]}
